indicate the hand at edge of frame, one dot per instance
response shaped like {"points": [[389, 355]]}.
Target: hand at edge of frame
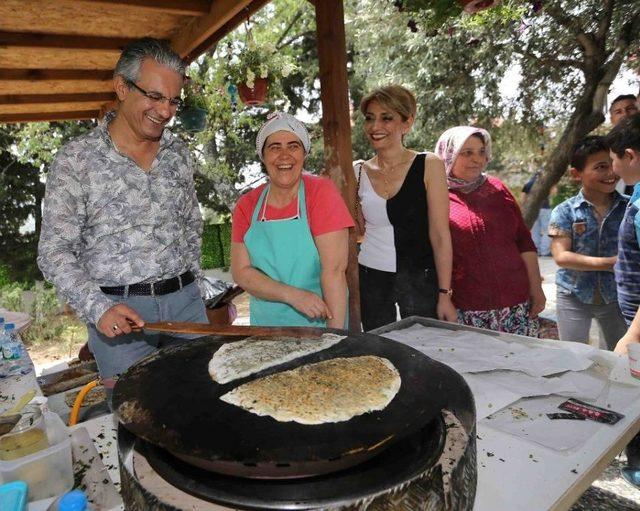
{"points": [[445, 309], [538, 302]]}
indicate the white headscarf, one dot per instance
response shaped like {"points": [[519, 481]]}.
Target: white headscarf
{"points": [[448, 147], [281, 121]]}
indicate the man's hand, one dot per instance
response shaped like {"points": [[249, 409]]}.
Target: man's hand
{"points": [[537, 300], [117, 321], [445, 309], [310, 304]]}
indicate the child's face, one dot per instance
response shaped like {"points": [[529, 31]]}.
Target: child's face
{"points": [[627, 167], [597, 174]]}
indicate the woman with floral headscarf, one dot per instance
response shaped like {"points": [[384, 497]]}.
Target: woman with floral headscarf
{"points": [[496, 279], [290, 236]]}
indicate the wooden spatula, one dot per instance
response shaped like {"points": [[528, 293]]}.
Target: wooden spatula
{"points": [[230, 330]]}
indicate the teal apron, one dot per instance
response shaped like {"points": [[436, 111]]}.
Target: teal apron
{"points": [[285, 251]]}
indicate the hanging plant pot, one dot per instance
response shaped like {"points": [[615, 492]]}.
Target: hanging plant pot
{"points": [[255, 96], [473, 6], [193, 118]]}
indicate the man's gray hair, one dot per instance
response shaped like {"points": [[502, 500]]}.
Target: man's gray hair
{"points": [[133, 55]]}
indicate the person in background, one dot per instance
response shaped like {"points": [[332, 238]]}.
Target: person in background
{"points": [[623, 106], [121, 229], [540, 228], [290, 236], [624, 148], [496, 279], [403, 212], [584, 232]]}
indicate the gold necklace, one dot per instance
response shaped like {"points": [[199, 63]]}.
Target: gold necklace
{"points": [[386, 172]]}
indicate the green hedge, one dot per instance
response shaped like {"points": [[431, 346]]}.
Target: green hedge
{"points": [[216, 246]]}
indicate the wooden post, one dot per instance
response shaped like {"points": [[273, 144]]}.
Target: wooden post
{"points": [[336, 126]]}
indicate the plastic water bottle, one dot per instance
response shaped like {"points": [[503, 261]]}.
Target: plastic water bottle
{"points": [[3, 339], [1, 334], [11, 346], [16, 361]]}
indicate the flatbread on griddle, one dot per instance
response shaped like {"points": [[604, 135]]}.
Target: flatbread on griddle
{"points": [[236, 360], [334, 390]]}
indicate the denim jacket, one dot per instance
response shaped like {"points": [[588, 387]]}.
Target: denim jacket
{"points": [[575, 218]]}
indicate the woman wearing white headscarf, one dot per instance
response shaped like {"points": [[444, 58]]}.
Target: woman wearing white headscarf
{"points": [[496, 279], [290, 236]]}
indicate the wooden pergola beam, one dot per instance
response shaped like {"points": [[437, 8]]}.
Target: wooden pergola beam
{"points": [[51, 116], [229, 26], [30, 99], [200, 29], [62, 42], [55, 74], [336, 126], [182, 8]]}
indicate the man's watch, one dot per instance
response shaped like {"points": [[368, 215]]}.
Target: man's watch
{"points": [[448, 292]]}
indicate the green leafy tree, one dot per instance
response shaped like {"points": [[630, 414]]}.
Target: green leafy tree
{"points": [[25, 153], [568, 54]]}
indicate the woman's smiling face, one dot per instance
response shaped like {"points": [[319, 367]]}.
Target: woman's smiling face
{"points": [[471, 160], [384, 127], [283, 156]]}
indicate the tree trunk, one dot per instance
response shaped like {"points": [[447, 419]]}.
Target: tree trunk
{"points": [[37, 211], [600, 66], [582, 122]]}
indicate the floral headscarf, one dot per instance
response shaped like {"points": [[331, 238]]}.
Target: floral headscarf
{"points": [[448, 147]]}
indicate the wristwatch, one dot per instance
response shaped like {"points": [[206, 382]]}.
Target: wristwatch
{"points": [[446, 291]]}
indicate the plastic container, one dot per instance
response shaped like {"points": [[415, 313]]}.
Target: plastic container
{"points": [[634, 359], [28, 436], [48, 472], [13, 496]]}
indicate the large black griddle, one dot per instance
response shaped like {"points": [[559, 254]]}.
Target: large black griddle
{"points": [[169, 400], [408, 458]]}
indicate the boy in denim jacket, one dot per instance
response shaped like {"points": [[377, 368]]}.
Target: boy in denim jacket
{"points": [[584, 233]]}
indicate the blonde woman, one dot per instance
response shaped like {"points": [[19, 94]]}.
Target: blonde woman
{"points": [[405, 256]]}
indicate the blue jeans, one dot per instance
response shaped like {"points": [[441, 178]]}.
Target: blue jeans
{"points": [[540, 232], [115, 355]]}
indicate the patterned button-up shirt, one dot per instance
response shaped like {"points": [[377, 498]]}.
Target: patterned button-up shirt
{"points": [[575, 218], [107, 222]]}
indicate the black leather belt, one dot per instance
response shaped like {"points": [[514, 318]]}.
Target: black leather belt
{"points": [[162, 287]]}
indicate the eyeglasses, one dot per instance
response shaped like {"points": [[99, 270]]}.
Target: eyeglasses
{"points": [[156, 97]]}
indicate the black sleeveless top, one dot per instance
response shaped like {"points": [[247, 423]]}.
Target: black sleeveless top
{"points": [[409, 216]]}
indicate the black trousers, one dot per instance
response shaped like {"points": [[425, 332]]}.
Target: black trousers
{"points": [[415, 292]]}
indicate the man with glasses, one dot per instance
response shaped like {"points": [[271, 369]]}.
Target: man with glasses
{"points": [[121, 230]]}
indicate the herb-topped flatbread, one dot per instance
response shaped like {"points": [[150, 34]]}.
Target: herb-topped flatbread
{"points": [[236, 360], [334, 390]]}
